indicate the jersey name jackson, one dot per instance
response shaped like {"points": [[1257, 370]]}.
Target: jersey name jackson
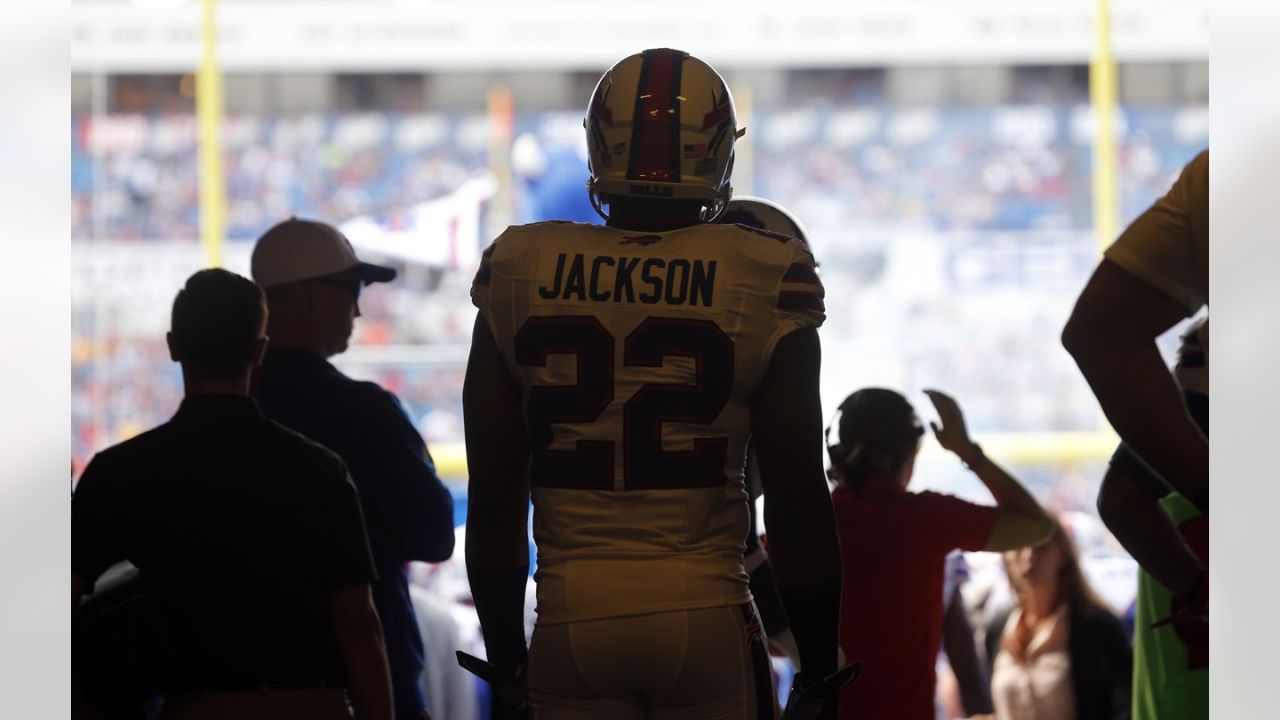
{"points": [[620, 279]]}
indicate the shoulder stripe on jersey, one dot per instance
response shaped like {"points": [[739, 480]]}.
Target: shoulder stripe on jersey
{"points": [[801, 273], [655, 129], [744, 220], [801, 300]]}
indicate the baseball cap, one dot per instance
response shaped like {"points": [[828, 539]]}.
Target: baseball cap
{"points": [[298, 249]]}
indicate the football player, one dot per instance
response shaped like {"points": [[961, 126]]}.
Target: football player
{"points": [[1169, 537], [1158, 272], [616, 374]]}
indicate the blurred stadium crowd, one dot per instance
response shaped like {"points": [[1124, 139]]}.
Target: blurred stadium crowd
{"points": [[922, 218], [847, 169]]}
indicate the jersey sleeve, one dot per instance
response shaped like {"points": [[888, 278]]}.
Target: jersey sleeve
{"points": [[948, 523], [482, 284], [798, 302], [1167, 244], [502, 266]]}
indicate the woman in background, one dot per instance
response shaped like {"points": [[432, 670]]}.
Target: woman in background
{"points": [[1059, 653]]}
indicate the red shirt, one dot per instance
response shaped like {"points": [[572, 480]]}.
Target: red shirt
{"points": [[894, 546]]}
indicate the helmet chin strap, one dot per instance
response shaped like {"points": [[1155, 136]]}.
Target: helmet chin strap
{"points": [[716, 207], [596, 202], [710, 212]]}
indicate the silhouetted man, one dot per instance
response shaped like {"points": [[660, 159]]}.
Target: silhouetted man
{"points": [[251, 534]]}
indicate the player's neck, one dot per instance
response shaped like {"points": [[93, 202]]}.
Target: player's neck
{"points": [[651, 223], [653, 215], [216, 386]]}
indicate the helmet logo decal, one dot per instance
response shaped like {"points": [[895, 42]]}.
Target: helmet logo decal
{"points": [[651, 190], [722, 114], [696, 151], [718, 114], [600, 112], [655, 143]]}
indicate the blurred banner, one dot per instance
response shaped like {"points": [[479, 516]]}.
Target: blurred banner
{"points": [[363, 35], [444, 232]]}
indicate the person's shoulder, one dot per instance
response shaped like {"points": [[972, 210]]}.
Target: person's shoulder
{"points": [[1199, 166], [932, 498], [931, 504], [373, 395], [120, 466], [750, 241], [516, 239], [1191, 189], [372, 405], [320, 469], [772, 262], [298, 446], [507, 254], [137, 448]]}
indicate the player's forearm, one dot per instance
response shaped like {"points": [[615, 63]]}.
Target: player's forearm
{"points": [[814, 615], [498, 594], [805, 553], [804, 547], [1147, 532], [1143, 404], [498, 570]]}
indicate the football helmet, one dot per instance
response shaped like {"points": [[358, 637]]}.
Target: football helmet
{"points": [[763, 214], [661, 124]]}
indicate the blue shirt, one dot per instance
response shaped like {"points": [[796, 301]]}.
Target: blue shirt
{"points": [[408, 511]]}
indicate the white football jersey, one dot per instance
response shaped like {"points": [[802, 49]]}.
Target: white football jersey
{"points": [[638, 354]]}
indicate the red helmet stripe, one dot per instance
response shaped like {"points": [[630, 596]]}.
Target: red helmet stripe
{"points": [[655, 131]]}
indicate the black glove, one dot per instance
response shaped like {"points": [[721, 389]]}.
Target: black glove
{"points": [[818, 698], [508, 687]]}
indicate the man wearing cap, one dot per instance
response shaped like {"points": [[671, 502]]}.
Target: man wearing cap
{"points": [[312, 280]]}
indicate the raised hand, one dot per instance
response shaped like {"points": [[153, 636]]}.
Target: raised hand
{"points": [[952, 433]]}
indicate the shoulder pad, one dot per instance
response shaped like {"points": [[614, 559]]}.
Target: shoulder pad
{"points": [[779, 237]]}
